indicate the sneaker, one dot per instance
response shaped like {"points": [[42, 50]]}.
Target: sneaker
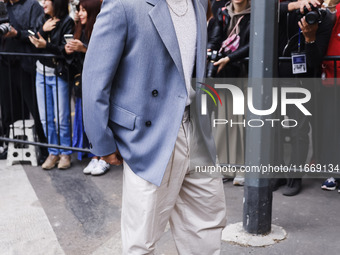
{"points": [[329, 184], [91, 166], [293, 187], [50, 162], [238, 181], [65, 162], [101, 168]]}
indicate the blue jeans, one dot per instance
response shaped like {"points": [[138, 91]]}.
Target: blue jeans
{"points": [[51, 111]]}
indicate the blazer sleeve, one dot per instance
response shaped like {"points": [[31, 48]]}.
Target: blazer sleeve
{"points": [[101, 61]]}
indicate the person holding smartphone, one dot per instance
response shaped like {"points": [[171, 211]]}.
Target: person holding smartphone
{"points": [[87, 12], [51, 30]]}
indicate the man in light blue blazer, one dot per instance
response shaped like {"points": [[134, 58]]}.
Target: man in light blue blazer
{"points": [[137, 93]]}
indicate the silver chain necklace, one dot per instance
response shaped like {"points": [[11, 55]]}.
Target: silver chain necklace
{"points": [[179, 14]]}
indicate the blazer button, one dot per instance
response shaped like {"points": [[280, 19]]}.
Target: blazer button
{"points": [[90, 145], [148, 123], [155, 93]]}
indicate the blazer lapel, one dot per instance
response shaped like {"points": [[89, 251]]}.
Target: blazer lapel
{"points": [[162, 21]]}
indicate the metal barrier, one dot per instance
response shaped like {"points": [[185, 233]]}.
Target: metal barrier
{"points": [[315, 122], [7, 58]]}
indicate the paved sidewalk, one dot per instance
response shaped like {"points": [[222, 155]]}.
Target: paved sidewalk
{"points": [[24, 226], [65, 212]]}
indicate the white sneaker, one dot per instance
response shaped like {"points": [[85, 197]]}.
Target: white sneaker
{"points": [[101, 168], [238, 181], [91, 166]]}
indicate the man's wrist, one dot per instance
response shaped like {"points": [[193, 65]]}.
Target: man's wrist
{"points": [[309, 41], [18, 34]]}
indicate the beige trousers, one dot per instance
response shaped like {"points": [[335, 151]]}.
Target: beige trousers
{"points": [[195, 207]]}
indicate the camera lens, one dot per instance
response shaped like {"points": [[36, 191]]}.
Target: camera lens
{"points": [[211, 69], [312, 17], [4, 29]]}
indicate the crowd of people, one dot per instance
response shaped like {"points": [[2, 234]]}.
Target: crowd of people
{"points": [[129, 71], [47, 28], [46, 85], [228, 31]]}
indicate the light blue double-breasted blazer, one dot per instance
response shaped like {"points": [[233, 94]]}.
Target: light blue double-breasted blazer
{"points": [[134, 92]]}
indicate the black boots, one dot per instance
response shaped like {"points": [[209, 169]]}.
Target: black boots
{"points": [[293, 187]]}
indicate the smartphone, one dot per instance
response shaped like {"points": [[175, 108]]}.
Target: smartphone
{"points": [[68, 37], [31, 32]]}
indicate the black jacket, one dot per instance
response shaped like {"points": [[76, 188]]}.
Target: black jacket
{"points": [[288, 42], [56, 42], [219, 33], [23, 15]]}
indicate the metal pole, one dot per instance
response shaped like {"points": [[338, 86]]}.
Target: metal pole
{"points": [[257, 211], [11, 95]]}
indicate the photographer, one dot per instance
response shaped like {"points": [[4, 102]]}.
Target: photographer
{"points": [[22, 16], [314, 38], [309, 43]]}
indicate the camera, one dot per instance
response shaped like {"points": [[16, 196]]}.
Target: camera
{"points": [[213, 56], [5, 27], [316, 15]]}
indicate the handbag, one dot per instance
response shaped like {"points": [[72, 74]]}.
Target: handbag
{"points": [[232, 42]]}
